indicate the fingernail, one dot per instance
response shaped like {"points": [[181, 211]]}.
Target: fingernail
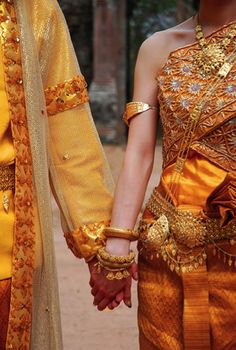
{"points": [[129, 304]]}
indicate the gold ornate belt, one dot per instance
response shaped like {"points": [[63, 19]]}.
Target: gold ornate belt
{"points": [[7, 182], [181, 237], [7, 177]]}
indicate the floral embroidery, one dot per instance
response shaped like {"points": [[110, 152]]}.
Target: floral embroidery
{"points": [[231, 89], [66, 95], [19, 328], [175, 85], [194, 88], [181, 86]]}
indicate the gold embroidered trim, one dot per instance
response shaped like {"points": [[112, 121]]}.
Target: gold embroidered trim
{"points": [[134, 108], [20, 316], [67, 95], [7, 177], [86, 240]]}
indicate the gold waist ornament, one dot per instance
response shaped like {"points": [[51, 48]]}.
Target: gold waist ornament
{"points": [[7, 183], [181, 237], [7, 177]]}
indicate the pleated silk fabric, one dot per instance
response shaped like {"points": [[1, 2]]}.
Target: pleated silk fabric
{"points": [[161, 308]]}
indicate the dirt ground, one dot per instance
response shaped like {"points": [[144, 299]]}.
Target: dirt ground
{"points": [[85, 328]]}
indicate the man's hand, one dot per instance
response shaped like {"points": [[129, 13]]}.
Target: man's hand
{"points": [[110, 293]]}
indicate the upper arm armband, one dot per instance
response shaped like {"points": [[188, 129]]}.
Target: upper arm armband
{"points": [[134, 108]]}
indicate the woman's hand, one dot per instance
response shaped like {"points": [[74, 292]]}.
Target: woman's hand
{"points": [[110, 293]]}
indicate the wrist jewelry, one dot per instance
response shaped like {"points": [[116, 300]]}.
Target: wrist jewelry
{"points": [[109, 258], [119, 275], [115, 266], [116, 232]]}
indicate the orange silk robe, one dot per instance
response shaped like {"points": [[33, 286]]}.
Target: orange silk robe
{"points": [[195, 310]]}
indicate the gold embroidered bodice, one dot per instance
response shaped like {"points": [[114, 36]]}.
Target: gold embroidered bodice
{"points": [[180, 86]]}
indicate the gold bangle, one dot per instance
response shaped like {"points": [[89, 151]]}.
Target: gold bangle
{"points": [[102, 252], [113, 265], [115, 232]]}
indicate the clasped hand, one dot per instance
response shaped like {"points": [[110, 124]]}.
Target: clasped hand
{"points": [[108, 293]]}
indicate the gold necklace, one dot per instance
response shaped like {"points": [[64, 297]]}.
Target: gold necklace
{"points": [[212, 56]]}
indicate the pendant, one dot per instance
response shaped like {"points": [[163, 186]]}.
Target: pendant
{"points": [[5, 202], [210, 59]]}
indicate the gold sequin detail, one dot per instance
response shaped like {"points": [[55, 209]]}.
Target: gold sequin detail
{"points": [[66, 95], [86, 240], [19, 328], [7, 177]]}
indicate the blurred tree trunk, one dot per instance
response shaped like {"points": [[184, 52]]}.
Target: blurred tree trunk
{"points": [[181, 13], [79, 16], [121, 54], [108, 86]]}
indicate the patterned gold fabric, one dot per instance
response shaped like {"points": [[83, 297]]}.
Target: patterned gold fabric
{"points": [[160, 314], [181, 310], [180, 86], [24, 238], [86, 240], [66, 95]]}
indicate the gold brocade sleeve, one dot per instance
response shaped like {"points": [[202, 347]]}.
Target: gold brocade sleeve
{"points": [[85, 241], [80, 175], [66, 95]]}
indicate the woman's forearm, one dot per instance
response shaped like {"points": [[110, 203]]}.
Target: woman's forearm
{"points": [[129, 196], [131, 190]]}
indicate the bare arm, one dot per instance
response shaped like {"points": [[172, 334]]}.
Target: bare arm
{"points": [[133, 180], [139, 156]]}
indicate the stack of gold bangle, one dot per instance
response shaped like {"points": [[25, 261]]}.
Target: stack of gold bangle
{"points": [[116, 266], [115, 232]]}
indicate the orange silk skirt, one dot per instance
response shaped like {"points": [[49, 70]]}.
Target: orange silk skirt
{"points": [[5, 293], [191, 311], [163, 296]]}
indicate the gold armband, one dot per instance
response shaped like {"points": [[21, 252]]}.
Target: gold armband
{"points": [[87, 240], [134, 108], [115, 232]]}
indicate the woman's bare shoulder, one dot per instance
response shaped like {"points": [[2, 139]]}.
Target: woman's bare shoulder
{"points": [[156, 49]]}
